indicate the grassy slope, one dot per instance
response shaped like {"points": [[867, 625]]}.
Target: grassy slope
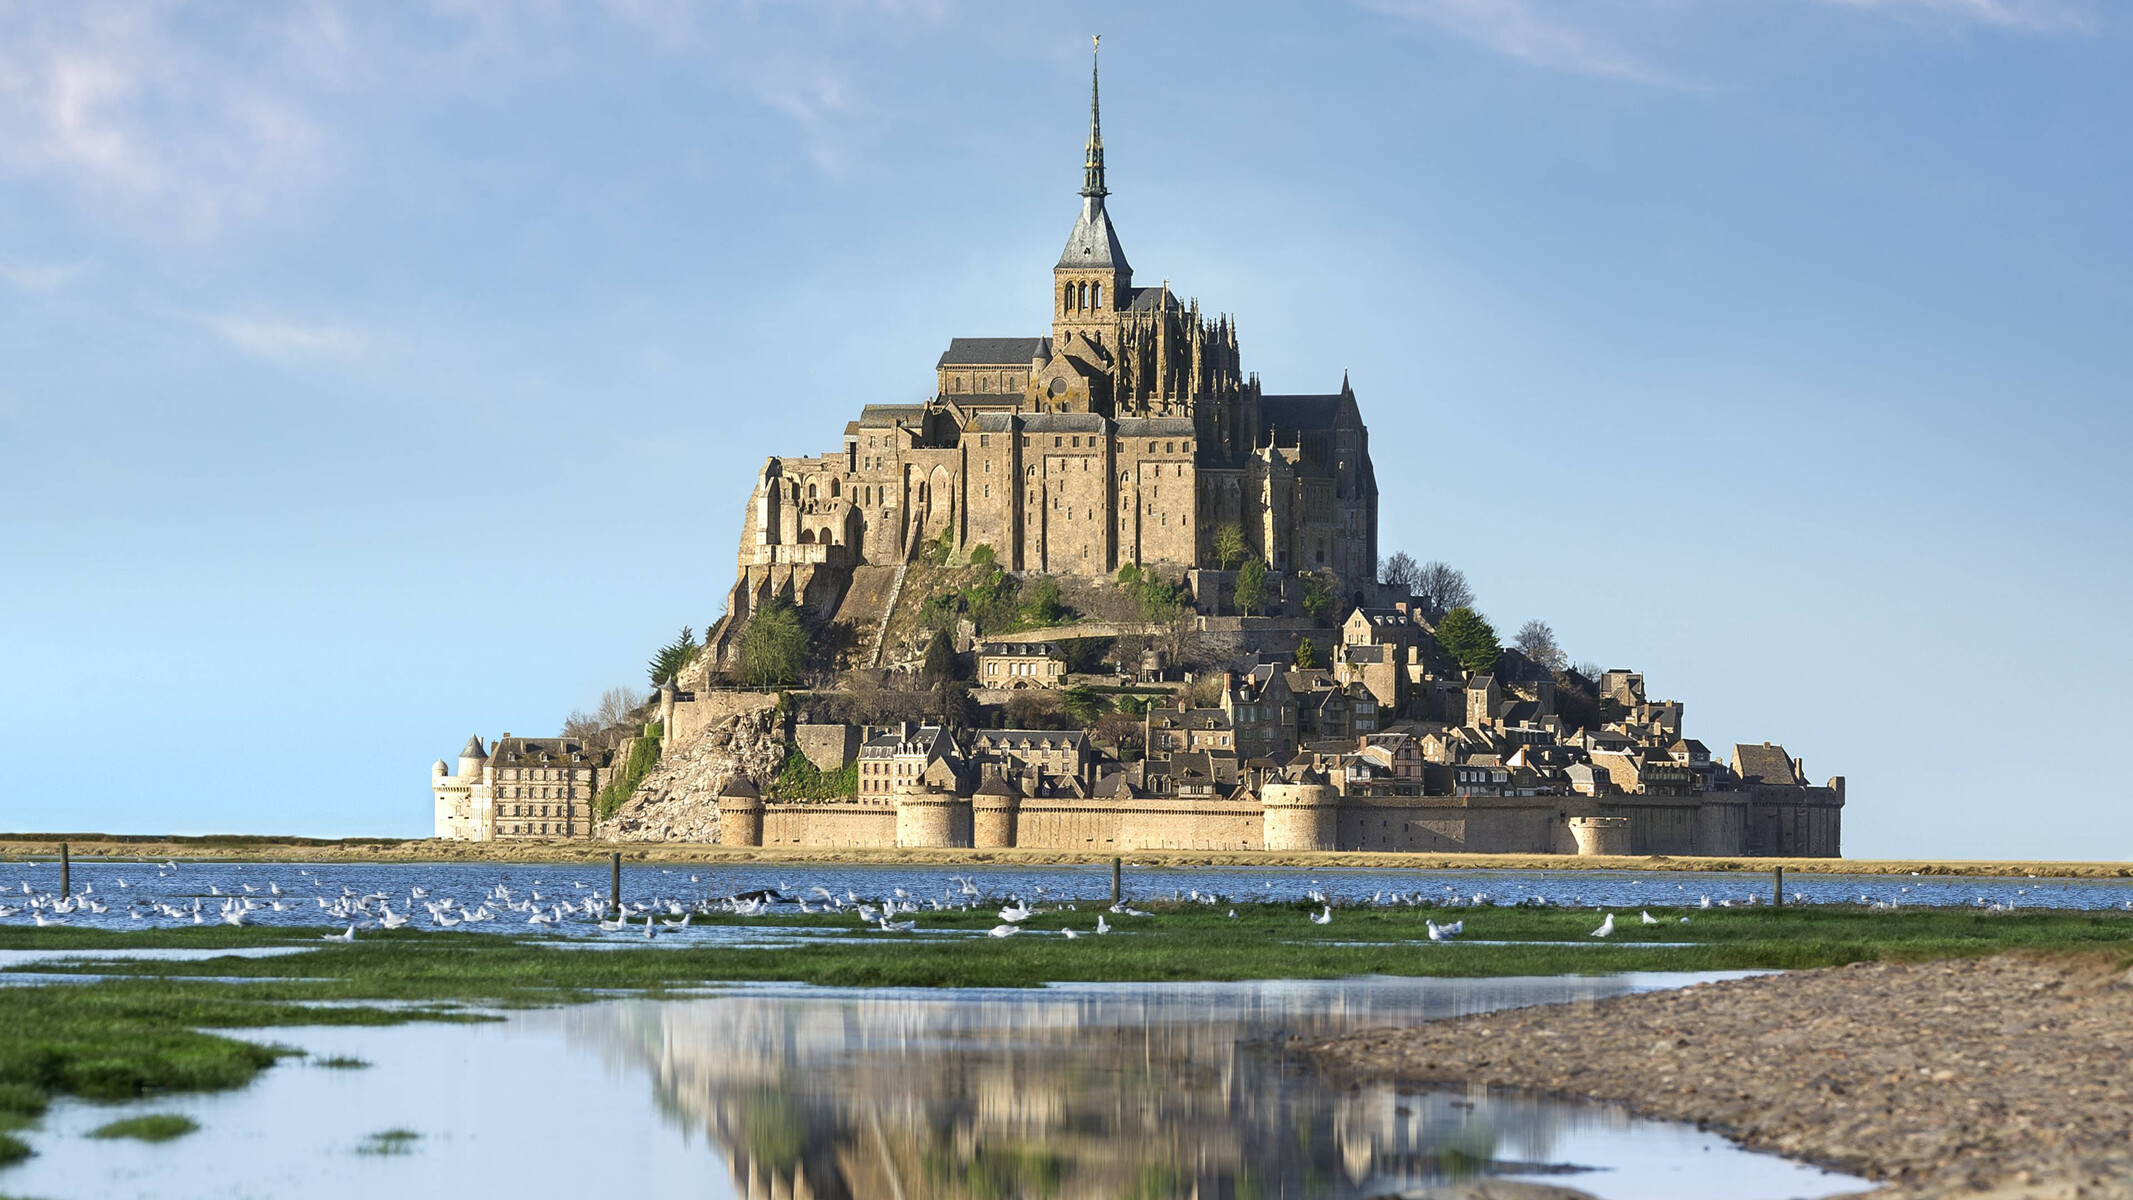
{"points": [[146, 1033]]}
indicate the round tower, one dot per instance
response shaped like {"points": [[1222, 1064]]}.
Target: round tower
{"points": [[927, 815], [472, 758], [1600, 835], [1301, 815], [993, 813], [740, 813]]}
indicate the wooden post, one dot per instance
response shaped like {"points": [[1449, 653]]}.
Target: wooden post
{"points": [[1779, 889], [66, 872], [614, 886], [1117, 896]]}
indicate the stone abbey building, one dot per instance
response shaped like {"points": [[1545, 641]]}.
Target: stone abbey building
{"points": [[1129, 434]]}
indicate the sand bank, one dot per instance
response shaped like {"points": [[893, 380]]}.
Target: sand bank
{"points": [[1998, 1077]]}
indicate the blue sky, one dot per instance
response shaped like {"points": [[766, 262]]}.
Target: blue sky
{"points": [[371, 375]]}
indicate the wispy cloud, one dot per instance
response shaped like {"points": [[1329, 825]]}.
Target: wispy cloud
{"points": [[1595, 37], [36, 279], [114, 100], [2042, 16], [1545, 36], [278, 340]]}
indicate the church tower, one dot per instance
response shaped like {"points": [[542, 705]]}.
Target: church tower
{"points": [[1093, 278]]}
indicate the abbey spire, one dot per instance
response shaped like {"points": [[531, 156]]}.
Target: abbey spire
{"points": [[1092, 169], [1093, 280]]}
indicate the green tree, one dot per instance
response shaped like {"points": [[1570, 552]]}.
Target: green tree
{"points": [[1318, 598], [774, 646], [940, 658], [1306, 655], [673, 656], [1251, 587], [1083, 704], [1041, 604], [1469, 639], [1228, 547]]}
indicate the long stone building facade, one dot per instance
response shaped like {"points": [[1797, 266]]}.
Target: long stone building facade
{"points": [[1127, 435]]}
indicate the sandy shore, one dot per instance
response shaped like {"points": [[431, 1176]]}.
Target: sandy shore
{"points": [[2002, 1077], [270, 849]]}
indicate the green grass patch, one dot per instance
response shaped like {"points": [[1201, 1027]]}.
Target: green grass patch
{"points": [[343, 1062], [153, 1029], [151, 1127], [12, 1149]]}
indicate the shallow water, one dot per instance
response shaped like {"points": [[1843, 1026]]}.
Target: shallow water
{"points": [[1154, 1090], [305, 884]]}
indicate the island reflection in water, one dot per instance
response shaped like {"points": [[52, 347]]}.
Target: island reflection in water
{"points": [[1079, 1091]]}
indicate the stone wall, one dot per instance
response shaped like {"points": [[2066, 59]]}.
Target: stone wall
{"points": [[859, 824], [830, 747], [708, 708]]}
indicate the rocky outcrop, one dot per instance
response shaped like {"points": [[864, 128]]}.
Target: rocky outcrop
{"points": [[678, 800]]}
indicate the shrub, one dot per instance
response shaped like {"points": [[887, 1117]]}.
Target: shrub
{"points": [[643, 756], [800, 779], [1306, 655], [982, 555]]}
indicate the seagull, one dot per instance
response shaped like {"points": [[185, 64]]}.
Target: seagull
{"points": [[1324, 918], [1005, 930], [888, 926], [615, 926], [681, 924], [1649, 919], [347, 935], [1071, 935], [1233, 914], [1705, 903], [1100, 926], [1607, 927], [1018, 911], [1443, 933]]}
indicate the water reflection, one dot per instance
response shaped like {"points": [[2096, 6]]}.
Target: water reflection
{"points": [[1085, 1091]]}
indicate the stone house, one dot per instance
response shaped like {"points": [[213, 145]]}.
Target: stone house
{"points": [[1021, 754], [519, 788], [911, 756], [1261, 710], [1171, 731], [1010, 666]]}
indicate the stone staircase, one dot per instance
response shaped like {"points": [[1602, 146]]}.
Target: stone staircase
{"points": [[888, 609]]}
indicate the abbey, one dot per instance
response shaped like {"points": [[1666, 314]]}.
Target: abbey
{"points": [[1129, 435]]}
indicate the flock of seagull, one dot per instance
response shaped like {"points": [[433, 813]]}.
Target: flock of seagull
{"points": [[897, 912]]}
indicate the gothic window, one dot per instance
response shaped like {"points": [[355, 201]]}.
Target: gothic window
{"points": [[1099, 295], [810, 491], [1084, 302], [836, 489]]}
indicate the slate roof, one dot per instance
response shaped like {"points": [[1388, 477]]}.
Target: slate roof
{"points": [[473, 748], [1155, 427], [1094, 243], [991, 352], [1025, 739], [1019, 650], [1299, 412], [1767, 762], [538, 751], [1148, 299], [889, 414]]}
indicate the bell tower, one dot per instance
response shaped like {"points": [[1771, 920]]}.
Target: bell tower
{"points": [[1093, 278]]}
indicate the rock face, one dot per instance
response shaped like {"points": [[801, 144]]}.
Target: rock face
{"points": [[678, 800]]}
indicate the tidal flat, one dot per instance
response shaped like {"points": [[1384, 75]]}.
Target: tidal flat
{"points": [[99, 1016]]}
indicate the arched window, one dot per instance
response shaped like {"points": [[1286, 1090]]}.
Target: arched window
{"points": [[1066, 299], [810, 491], [1084, 295], [807, 537], [836, 489], [1099, 295]]}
